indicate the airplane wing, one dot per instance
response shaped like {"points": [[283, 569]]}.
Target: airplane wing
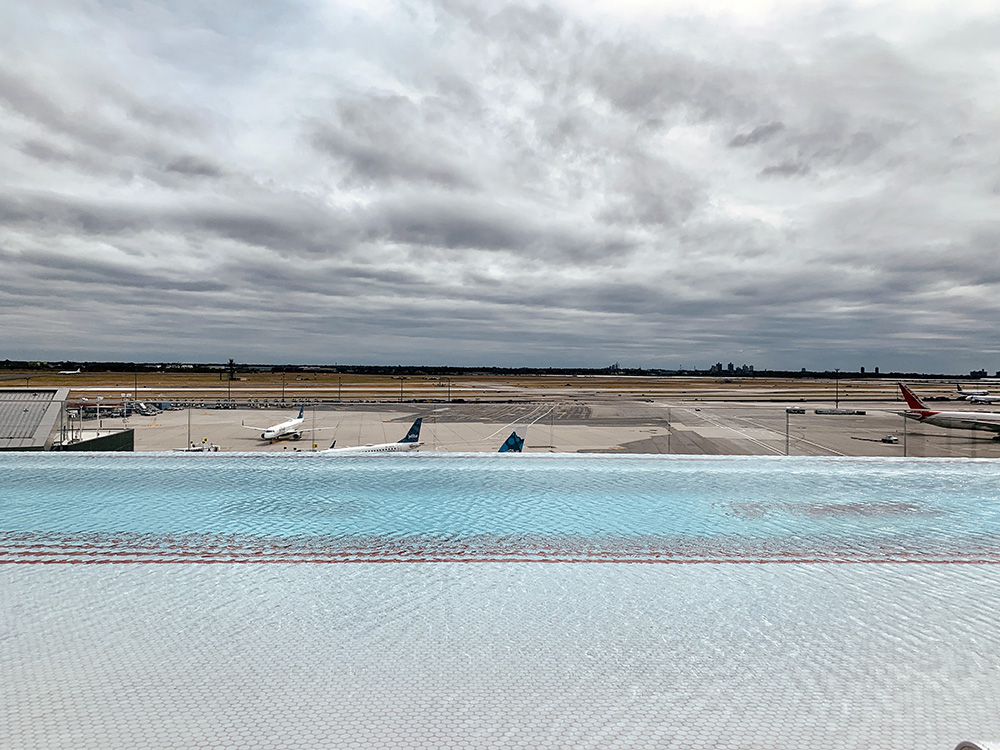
{"points": [[297, 429], [251, 427]]}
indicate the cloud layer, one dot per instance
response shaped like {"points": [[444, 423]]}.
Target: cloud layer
{"points": [[535, 184]]}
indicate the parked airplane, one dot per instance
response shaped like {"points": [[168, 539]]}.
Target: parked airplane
{"points": [[290, 429], [70, 372], [965, 420], [969, 394], [514, 444], [409, 443]]}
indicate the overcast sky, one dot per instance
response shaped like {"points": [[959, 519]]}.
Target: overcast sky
{"points": [[662, 184]]}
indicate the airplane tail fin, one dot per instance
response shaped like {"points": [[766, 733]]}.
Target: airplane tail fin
{"points": [[302, 410], [332, 444], [514, 444], [959, 386], [413, 435], [911, 398]]}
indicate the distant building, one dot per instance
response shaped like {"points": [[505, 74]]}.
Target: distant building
{"points": [[977, 374], [28, 417]]}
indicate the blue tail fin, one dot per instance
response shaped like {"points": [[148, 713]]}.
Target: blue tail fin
{"points": [[413, 435], [514, 444], [302, 410]]}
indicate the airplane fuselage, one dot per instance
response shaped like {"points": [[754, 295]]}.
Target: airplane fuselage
{"points": [[966, 420], [290, 429], [983, 399], [380, 448]]}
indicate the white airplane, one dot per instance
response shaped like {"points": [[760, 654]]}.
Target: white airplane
{"points": [[964, 420], [70, 372], [409, 443], [983, 399], [290, 429], [969, 394]]}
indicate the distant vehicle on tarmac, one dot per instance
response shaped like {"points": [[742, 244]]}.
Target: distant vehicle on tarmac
{"points": [[890, 439]]}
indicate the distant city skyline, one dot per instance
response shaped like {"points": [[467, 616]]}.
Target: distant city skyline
{"points": [[537, 184], [236, 368]]}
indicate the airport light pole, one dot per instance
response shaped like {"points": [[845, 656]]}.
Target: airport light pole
{"points": [[449, 389], [836, 380], [282, 387], [786, 431], [668, 430]]}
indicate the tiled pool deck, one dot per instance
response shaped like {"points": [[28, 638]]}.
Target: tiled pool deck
{"points": [[669, 652]]}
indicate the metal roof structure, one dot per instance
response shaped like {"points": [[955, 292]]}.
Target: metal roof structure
{"points": [[27, 416]]}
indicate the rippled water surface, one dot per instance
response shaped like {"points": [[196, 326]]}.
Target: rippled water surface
{"points": [[490, 507], [822, 603]]}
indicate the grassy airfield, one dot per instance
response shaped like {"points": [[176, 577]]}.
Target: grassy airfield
{"points": [[352, 387]]}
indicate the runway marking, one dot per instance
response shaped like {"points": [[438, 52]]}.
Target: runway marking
{"points": [[715, 421]]}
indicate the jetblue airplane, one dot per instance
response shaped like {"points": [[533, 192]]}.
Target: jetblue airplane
{"points": [[409, 443], [290, 429], [969, 395], [514, 444], [963, 420], [70, 372]]}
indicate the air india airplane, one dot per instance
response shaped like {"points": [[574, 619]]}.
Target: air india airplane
{"points": [[963, 420]]}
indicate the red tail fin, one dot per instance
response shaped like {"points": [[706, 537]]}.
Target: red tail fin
{"points": [[911, 398]]}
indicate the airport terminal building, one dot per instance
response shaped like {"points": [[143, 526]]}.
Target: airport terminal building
{"points": [[34, 419]]}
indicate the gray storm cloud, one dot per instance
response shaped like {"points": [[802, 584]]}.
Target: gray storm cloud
{"points": [[519, 184]]}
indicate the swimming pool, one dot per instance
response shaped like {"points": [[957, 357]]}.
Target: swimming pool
{"points": [[730, 602]]}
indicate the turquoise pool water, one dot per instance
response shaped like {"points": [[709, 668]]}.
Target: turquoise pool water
{"points": [[247, 507], [773, 603]]}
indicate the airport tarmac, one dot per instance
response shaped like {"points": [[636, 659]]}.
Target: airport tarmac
{"points": [[686, 427]]}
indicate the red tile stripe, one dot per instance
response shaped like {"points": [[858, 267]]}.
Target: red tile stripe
{"points": [[119, 548]]}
